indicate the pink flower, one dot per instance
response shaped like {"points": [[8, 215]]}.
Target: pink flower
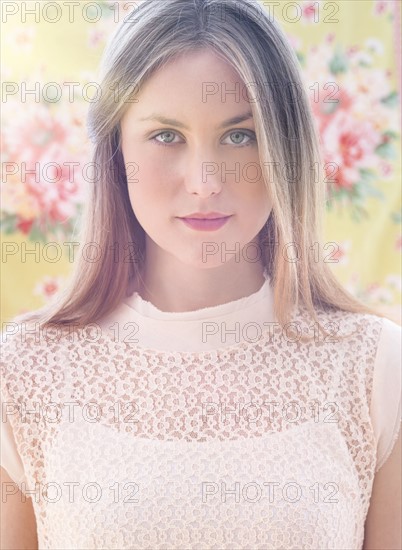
{"points": [[22, 38], [386, 169], [332, 98], [25, 225], [57, 190], [32, 130], [309, 10], [295, 42], [381, 6], [342, 254], [48, 286], [42, 144], [351, 144], [350, 52], [96, 37]]}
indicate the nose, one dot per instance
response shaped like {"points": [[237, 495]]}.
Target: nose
{"points": [[203, 174]]}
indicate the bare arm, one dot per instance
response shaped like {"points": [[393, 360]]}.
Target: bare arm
{"points": [[18, 523], [383, 522]]}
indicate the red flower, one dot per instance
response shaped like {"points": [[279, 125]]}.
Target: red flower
{"points": [[50, 288], [25, 225]]}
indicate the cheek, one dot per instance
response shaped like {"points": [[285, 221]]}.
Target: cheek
{"points": [[251, 194], [254, 205], [142, 169], [151, 194]]}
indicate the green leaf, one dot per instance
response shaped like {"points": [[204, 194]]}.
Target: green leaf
{"points": [[367, 175], [359, 213], [390, 100], [36, 235], [329, 108], [9, 229], [341, 192], [338, 63], [391, 134], [301, 57], [386, 150], [365, 186], [109, 9], [8, 223], [372, 191], [396, 217]]}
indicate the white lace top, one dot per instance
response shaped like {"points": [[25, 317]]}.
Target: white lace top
{"points": [[208, 429]]}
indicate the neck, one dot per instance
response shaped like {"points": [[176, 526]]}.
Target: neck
{"points": [[175, 287]]}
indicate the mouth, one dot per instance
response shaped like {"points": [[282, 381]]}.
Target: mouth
{"points": [[206, 223]]}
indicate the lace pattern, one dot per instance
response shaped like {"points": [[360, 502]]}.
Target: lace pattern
{"points": [[255, 445]]}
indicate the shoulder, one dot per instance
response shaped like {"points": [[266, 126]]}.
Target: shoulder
{"points": [[349, 319], [386, 395], [32, 355], [26, 335], [350, 332], [369, 357]]}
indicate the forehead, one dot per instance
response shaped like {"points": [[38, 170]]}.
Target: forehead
{"points": [[196, 81], [191, 64]]}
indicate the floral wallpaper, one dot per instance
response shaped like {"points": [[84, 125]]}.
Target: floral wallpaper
{"points": [[349, 52]]}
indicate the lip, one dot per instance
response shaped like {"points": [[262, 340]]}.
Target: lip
{"points": [[200, 222], [206, 216]]}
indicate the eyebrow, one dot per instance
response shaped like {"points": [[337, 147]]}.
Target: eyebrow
{"points": [[173, 122]]}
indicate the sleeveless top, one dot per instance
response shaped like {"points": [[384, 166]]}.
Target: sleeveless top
{"points": [[207, 429]]}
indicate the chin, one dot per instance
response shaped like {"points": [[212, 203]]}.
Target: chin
{"points": [[201, 263]]}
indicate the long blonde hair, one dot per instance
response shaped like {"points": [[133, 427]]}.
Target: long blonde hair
{"points": [[245, 36]]}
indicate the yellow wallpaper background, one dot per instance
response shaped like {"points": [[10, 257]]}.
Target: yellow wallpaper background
{"points": [[360, 51]]}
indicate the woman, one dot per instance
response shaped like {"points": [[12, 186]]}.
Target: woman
{"points": [[206, 382]]}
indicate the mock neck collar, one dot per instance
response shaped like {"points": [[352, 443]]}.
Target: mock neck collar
{"points": [[149, 310], [212, 328]]}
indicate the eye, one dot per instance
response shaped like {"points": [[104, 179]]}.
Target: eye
{"points": [[163, 143], [250, 135], [170, 140]]}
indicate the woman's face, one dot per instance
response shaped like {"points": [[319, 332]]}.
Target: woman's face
{"points": [[198, 161]]}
